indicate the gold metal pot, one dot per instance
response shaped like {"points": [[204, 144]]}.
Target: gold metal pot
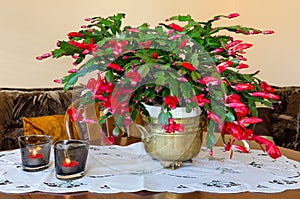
{"points": [[172, 149]]}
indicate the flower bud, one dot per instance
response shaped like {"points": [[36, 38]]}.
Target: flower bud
{"points": [[72, 70], [57, 81], [268, 32], [38, 57], [242, 65], [233, 15], [217, 50]]}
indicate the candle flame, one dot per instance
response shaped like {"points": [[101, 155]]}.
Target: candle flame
{"points": [[34, 152], [67, 160]]}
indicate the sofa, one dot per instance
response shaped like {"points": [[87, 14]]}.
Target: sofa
{"points": [[282, 122], [15, 104], [285, 118]]}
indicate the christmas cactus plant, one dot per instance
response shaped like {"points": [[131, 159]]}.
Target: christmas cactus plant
{"points": [[180, 62]]}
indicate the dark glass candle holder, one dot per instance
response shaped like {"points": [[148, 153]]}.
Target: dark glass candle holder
{"points": [[70, 158], [35, 151]]}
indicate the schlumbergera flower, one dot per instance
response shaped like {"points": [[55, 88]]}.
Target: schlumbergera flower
{"points": [[180, 62], [173, 126]]}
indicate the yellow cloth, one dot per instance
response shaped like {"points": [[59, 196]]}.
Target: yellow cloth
{"points": [[52, 125]]}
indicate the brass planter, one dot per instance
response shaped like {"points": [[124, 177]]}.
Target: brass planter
{"points": [[172, 149]]}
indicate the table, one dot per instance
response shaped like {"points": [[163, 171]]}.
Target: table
{"points": [[37, 195]]}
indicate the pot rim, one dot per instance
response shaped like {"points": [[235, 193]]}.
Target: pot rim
{"points": [[178, 112]]}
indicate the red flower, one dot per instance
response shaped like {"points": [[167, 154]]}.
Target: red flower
{"points": [[240, 109], [234, 101], [230, 147], [117, 47], [99, 86], [240, 57], [236, 105], [120, 101], [86, 48], [188, 66], [132, 30], [216, 119], [233, 129], [176, 27], [109, 140], [147, 44], [154, 55], [271, 148], [233, 43], [173, 126], [182, 44], [241, 112], [134, 77], [75, 114], [217, 50], [115, 67], [74, 34], [233, 98], [222, 66], [241, 47], [265, 95], [170, 101], [266, 87], [177, 36], [243, 87], [201, 100], [241, 66], [209, 80], [101, 90], [91, 85], [250, 120]]}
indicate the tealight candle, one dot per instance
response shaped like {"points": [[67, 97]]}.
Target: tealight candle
{"points": [[35, 158], [35, 151], [70, 158], [35, 155], [69, 166]]}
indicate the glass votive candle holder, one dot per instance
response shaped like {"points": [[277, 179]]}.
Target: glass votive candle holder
{"points": [[70, 158], [35, 151]]}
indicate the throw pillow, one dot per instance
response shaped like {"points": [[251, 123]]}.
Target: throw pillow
{"points": [[52, 125]]}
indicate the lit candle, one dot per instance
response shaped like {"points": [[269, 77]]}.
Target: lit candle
{"points": [[35, 155], [69, 163], [70, 158], [35, 151], [69, 166], [35, 158]]}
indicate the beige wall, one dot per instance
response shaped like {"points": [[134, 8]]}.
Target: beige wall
{"points": [[32, 27]]}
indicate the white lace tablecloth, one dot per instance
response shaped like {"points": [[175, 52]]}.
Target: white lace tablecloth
{"points": [[112, 169]]}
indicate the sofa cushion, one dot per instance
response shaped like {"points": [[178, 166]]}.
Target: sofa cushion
{"points": [[52, 125], [18, 103]]}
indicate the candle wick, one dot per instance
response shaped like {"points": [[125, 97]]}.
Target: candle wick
{"points": [[66, 155]]}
